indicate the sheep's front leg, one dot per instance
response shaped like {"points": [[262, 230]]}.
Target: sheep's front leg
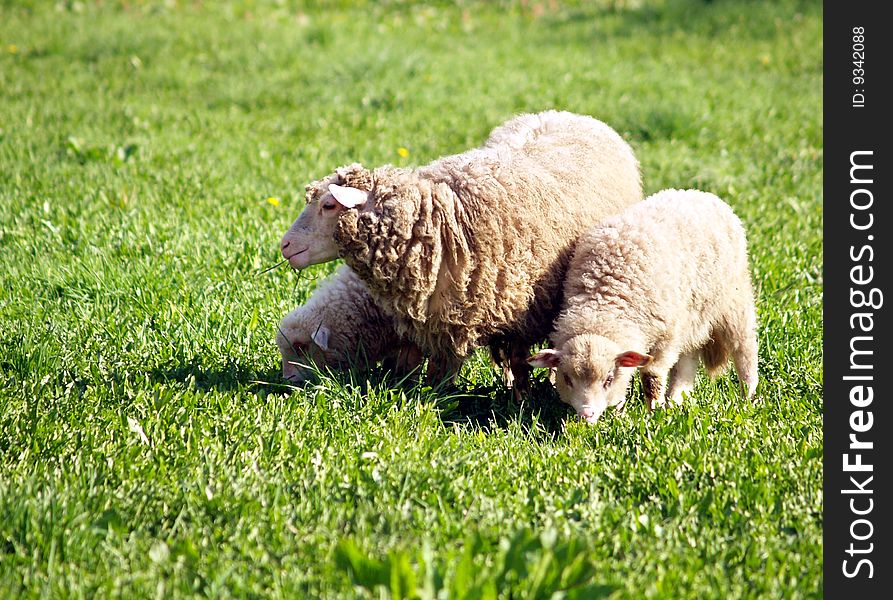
{"points": [[512, 358], [409, 358], [443, 370], [654, 380], [654, 385], [682, 377], [520, 370]]}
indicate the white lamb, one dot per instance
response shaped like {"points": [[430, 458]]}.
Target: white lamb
{"points": [[340, 326], [659, 286]]}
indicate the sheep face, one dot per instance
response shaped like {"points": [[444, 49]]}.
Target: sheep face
{"points": [[311, 239], [302, 345], [294, 355], [592, 372]]}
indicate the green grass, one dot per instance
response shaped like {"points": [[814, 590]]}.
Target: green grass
{"points": [[146, 448]]}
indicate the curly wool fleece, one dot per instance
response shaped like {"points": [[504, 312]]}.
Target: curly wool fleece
{"points": [[472, 249]]}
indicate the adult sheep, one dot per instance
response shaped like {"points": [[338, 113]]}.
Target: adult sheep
{"points": [[472, 249]]}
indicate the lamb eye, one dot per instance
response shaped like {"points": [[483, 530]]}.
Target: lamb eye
{"points": [[609, 380], [328, 205], [568, 381]]}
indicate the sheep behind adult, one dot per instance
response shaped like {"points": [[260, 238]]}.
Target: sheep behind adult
{"points": [[471, 250]]}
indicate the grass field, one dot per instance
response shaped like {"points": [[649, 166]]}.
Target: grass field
{"points": [[151, 156]]}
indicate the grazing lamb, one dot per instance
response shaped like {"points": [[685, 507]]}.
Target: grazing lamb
{"points": [[472, 249], [340, 326], [659, 286]]}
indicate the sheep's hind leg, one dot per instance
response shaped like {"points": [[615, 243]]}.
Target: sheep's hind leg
{"points": [[740, 334], [745, 357], [682, 377]]}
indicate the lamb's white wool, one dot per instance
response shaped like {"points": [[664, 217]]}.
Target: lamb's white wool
{"points": [[341, 326], [660, 286], [472, 249]]}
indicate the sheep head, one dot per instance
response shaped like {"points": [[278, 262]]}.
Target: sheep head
{"points": [[303, 344], [311, 238], [593, 372]]}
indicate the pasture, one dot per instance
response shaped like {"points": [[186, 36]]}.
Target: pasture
{"points": [[151, 156]]}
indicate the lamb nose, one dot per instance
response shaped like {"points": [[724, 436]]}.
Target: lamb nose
{"points": [[285, 244]]}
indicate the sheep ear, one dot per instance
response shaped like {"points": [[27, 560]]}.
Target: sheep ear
{"points": [[348, 197], [545, 359], [632, 359], [321, 337]]}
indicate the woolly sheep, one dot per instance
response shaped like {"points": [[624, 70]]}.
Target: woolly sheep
{"points": [[341, 326], [472, 249], [659, 286]]}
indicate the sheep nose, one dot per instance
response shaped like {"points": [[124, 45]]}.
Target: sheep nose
{"points": [[284, 246], [589, 415]]}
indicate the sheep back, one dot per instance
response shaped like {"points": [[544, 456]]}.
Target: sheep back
{"points": [[473, 248], [668, 270]]}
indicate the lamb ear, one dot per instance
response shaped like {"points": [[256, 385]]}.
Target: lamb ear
{"points": [[545, 359], [632, 359], [321, 337], [348, 197]]}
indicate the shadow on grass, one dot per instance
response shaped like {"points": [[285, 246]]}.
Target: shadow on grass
{"points": [[230, 378], [495, 407], [235, 377], [486, 407]]}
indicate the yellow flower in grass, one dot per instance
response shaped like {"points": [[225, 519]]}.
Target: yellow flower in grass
{"points": [[273, 200], [12, 49], [402, 152]]}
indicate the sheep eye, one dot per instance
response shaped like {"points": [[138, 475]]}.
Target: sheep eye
{"points": [[568, 381], [609, 380], [328, 205]]}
